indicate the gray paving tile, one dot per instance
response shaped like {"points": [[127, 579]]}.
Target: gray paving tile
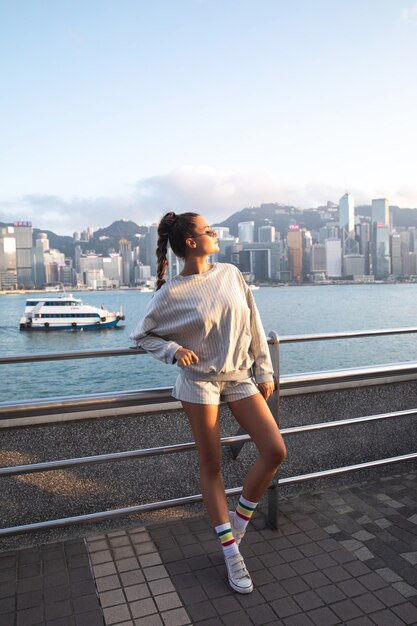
{"points": [[116, 614], [177, 617], [141, 608]]}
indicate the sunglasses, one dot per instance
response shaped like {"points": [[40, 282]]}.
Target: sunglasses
{"points": [[210, 233]]}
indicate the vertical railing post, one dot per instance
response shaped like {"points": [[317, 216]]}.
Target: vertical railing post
{"points": [[273, 402]]}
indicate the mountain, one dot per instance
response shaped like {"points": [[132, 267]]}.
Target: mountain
{"points": [[121, 229], [280, 215]]}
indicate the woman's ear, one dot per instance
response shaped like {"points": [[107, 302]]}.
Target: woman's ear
{"points": [[190, 242]]}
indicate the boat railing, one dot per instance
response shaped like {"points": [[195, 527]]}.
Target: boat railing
{"points": [[288, 384]]}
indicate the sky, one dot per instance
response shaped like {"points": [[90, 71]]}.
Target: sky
{"points": [[124, 109]]}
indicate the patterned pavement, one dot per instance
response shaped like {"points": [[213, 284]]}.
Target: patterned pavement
{"points": [[341, 557]]}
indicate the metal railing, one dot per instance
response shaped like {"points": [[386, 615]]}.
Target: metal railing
{"points": [[329, 380]]}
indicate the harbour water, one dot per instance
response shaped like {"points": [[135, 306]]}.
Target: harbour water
{"points": [[287, 310]]}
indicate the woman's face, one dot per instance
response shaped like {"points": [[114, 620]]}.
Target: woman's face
{"points": [[205, 239]]}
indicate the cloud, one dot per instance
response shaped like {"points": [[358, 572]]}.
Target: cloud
{"points": [[218, 193], [215, 193], [409, 15], [64, 216]]}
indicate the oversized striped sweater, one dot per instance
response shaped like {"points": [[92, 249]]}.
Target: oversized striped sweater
{"points": [[213, 314]]}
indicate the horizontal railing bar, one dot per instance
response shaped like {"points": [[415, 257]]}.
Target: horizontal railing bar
{"points": [[153, 506], [115, 456], [347, 422], [183, 447], [354, 334], [343, 470], [66, 404], [62, 356], [108, 400], [289, 381], [93, 354], [93, 517]]}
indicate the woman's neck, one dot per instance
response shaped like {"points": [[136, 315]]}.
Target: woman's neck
{"points": [[195, 265]]}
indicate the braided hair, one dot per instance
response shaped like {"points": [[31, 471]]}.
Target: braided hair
{"points": [[173, 229]]}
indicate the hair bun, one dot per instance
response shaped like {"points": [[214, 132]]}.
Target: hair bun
{"points": [[167, 222]]}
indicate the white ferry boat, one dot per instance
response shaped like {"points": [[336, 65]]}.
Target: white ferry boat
{"points": [[66, 313]]}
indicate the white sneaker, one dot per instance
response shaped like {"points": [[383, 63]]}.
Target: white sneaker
{"points": [[237, 534], [239, 578]]}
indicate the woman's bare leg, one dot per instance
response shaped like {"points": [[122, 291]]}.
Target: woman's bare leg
{"points": [[204, 421], [254, 415]]}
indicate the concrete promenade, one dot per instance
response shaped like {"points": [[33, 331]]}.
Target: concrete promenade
{"points": [[342, 556]]}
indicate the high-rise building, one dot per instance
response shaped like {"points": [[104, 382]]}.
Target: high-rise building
{"points": [[174, 264], [330, 231], [42, 241], [113, 269], [333, 257], [266, 233], [24, 245], [406, 242], [307, 245], [38, 267], [8, 268], [150, 246], [354, 265], [380, 211], [295, 252], [261, 260], [347, 212], [381, 259], [410, 264], [396, 256], [53, 260], [413, 239], [246, 232], [363, 233], [126, 254], [347, 230], [318, 258], [223, 232]]}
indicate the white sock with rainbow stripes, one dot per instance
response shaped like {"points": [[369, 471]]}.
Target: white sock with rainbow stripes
{"points": [[229, 545], [243, 513]]}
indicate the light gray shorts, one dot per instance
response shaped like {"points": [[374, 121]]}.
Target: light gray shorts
{"points": [[213, 391]]}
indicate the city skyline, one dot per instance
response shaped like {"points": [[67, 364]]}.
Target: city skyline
{"points": [[134, 108]]}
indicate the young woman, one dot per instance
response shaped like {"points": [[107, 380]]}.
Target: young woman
{"points": [[205, 320]]}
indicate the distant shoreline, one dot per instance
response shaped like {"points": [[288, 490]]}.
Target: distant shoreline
{"points": [[52, 292]]}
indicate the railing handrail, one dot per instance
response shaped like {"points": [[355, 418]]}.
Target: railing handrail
{"points": [[93, 354], [142, 397], [30, 468], [387, 372]]}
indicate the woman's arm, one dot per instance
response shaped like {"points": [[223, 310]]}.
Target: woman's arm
{"points": [[262, 367], [149, 334]]}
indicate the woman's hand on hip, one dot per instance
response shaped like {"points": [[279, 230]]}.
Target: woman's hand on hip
{"points": [[185, 357], [266, 389]]}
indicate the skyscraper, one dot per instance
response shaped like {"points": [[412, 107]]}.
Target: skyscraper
{"points": [[396, 256], [266, 233], [8, 271], [295, 253], [347, 212], [42, 242], [380, 211], [318, 258], [24, 245], [333, 258], [126, 254], [347, 229], [150, 245], [246, 232], [381, 260]]}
